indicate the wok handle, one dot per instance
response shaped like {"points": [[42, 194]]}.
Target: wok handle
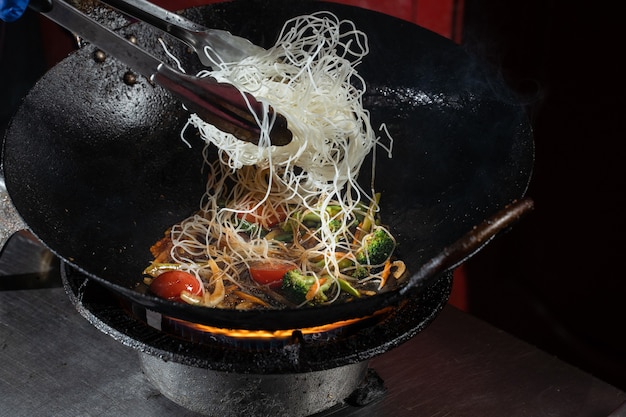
{"points": [[470, 243], [10, 220]]}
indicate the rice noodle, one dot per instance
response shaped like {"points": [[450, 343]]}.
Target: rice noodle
{"points": [[310, 77]]}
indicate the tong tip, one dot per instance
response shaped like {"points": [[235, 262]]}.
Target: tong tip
{"points": [[225, 107]]}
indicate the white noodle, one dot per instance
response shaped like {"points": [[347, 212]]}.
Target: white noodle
{"points": [[310, 77]]}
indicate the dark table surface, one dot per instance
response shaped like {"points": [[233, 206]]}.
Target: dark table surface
{"points": [[53, 362]]}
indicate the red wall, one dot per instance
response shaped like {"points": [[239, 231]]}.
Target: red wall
{"points": [[444, 17]]}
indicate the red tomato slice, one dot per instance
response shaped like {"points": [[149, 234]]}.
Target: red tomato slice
{"points": [[170, 284], [270, 273], [270, 221]]}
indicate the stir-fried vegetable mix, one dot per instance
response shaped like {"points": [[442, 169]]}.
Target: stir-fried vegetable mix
{"points": [[361, 268], [287, 225]]}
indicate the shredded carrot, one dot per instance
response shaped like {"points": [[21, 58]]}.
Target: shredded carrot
{"points": [[314, 288], [337, 254], [385, 274], [251, 298]]}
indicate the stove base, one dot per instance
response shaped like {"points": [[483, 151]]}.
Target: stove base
{"points": [[224, 394]]}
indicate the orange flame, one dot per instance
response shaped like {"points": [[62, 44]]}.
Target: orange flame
{"points": [[245, 334]]}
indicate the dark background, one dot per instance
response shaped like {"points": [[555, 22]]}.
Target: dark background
{"points": [[21, 63], [556, 279]]}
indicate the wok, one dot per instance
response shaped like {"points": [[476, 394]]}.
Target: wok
{"points": [[97, 169]]}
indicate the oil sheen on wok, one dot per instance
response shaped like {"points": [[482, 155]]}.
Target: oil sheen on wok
{"points": [[287, 226]]}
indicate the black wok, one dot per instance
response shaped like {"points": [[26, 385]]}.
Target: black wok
{"points": [[97, 169]]}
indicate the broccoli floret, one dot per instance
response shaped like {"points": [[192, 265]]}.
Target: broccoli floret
{"points": [[296, 285], [361, 272], [377, 248]]}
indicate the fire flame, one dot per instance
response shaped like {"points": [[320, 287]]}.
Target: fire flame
{"points": [[245, 334]]}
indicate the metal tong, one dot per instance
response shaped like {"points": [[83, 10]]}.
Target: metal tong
{"points": [[211, 45], [220, 104]]}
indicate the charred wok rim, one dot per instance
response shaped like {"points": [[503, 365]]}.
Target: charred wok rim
{"points": [[98, 307]]}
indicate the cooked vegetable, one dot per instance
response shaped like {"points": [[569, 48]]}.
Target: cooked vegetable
{"points": [[313, 220], [247, 227], [296, 287], [301, 203], [171, 284], [263, 215], [270, 273], [156, 268], [377, 247], [384, 275], [348, 288]]}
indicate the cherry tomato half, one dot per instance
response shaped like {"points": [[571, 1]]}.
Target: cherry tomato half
{"points": [[270, 273], [270, 221], [170, 284]]}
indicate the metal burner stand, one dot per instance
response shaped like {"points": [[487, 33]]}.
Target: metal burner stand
{"points": [[219, 393], [214, 380]]}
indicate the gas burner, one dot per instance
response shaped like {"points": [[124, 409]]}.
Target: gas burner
{"points": [[257, 339], [229, 372]]}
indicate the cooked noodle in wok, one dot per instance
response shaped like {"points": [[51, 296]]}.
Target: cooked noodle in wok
{"points": [[288, 225]]}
